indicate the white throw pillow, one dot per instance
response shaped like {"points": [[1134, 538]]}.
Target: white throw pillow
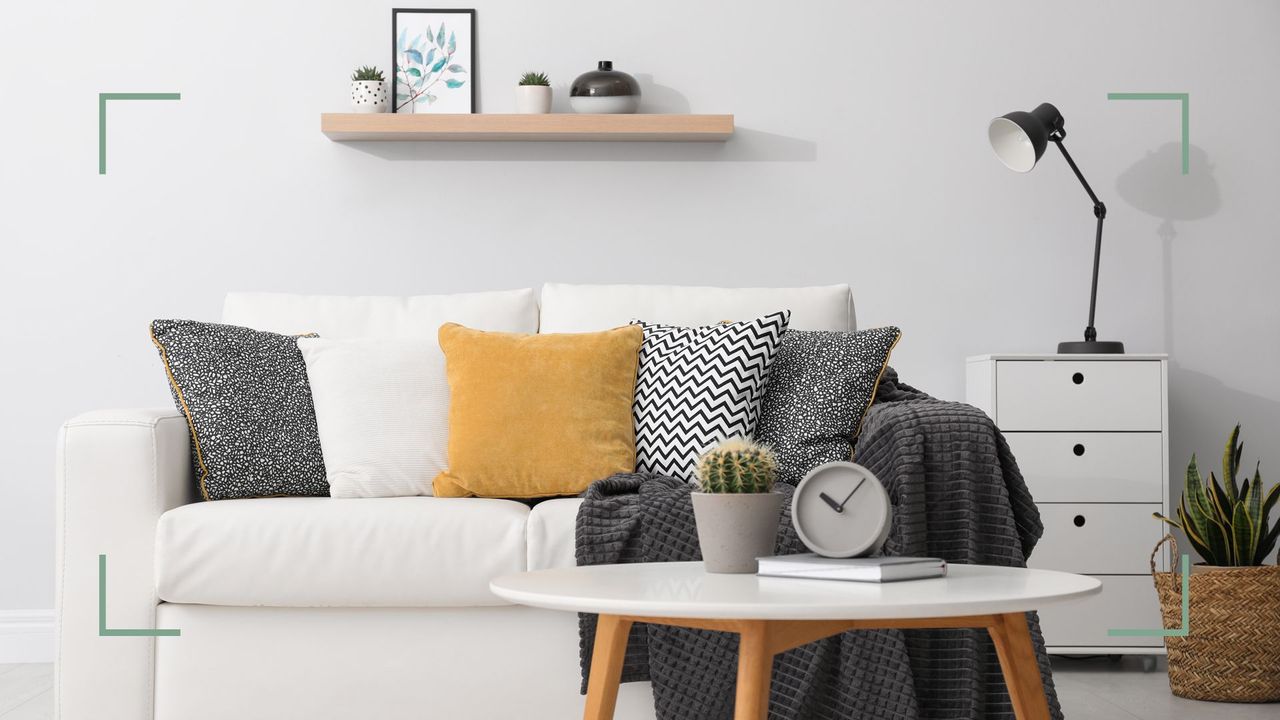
{"points": [[382, 410]]}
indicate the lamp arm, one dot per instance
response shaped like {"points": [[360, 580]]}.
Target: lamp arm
{"points": [[1100, 212], [1098, 207]]}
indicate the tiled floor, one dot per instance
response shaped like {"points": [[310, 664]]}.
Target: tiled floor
{"points": [[1099, 689], [26, 692]]}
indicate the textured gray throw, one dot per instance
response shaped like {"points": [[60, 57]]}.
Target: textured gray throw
{"points": [[957, 494]]}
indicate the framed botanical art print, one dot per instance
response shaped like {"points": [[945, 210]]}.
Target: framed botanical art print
{"points": [[433, 61]]}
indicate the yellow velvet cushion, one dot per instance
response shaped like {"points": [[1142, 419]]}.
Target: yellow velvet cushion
{"points": [[538, 415]]}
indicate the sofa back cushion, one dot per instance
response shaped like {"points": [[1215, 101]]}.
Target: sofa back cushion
{"points": [[419, 316], [587, 308]]}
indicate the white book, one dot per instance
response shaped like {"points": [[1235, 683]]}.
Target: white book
{"points": [[877, 569]]}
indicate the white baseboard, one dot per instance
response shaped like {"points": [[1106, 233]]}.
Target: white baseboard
{"points": [[26, 636]]}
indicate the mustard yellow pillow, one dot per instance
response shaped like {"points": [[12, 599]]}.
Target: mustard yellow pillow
{"points": [[538, 415]]}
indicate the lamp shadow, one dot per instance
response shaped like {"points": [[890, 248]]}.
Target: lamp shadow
{"points": [[746, 145], [1203, 405]]}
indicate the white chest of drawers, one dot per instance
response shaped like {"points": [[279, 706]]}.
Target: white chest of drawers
{"points": [[1091, 436]]}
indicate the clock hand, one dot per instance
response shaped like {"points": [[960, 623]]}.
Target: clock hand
{"points": [[834, 505], [851, 492]]}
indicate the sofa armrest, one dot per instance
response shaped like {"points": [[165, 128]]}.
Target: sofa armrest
{"points": [[117, 472]]}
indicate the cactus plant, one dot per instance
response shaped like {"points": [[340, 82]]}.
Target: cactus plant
{"points": [[738, 465], [534, 78], [367, 73], [1227, 522]]}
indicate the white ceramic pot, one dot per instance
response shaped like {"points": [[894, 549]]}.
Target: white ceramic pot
{"points": [[736, 528], [369, 96], [533, 99]]}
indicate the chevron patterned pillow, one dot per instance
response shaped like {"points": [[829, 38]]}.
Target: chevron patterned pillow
{"points": [[698, 386]]}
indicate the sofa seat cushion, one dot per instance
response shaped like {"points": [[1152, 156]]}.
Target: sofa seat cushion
{"points": [[331, 552], [552, 528]]}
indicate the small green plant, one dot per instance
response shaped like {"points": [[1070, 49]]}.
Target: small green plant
{"points": [[367, 73], [1227, 522], [738, 465], [534, 78]]}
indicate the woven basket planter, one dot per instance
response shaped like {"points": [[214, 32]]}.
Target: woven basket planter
{"points": [[1232, 652]]}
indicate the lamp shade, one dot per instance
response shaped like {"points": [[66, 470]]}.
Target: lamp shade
{"points": [[1019, 138]]}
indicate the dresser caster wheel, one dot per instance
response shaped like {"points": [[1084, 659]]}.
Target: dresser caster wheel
{"points": [[1148, 663]]}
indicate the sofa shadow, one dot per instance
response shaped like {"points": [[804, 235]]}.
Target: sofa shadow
{"points": [[746, 145]]}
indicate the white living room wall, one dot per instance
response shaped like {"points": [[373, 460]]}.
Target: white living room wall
{"points": [[861, 157]]}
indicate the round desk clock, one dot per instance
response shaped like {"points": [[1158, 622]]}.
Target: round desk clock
{"points": [[841, 510]]}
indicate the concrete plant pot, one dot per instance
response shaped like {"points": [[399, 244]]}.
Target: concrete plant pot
{"points": [[736, 528]]}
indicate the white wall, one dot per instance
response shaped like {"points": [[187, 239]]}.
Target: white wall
{"points": [[861, 157]]}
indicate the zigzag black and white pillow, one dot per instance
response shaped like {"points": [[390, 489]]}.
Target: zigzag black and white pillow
{"points": [[698, 386]]}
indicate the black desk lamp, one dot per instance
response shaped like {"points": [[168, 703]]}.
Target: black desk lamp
{"points": [[1019, 140]]}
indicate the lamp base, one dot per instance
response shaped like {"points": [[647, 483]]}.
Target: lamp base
{"points": [[1099, 347]]}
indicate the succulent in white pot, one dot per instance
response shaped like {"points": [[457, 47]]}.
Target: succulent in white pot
{"points": [[368, 90], [533, 94], [735, 507]]}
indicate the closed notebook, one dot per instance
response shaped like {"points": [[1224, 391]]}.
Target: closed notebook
{"points": [[877, 569]]}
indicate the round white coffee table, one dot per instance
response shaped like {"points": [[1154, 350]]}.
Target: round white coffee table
{"points": [[773, 615]]}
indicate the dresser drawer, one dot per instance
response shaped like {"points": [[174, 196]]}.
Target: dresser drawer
{"points": [[1091, 467], [1097, 539], [1079, 395], [1125, 602]]}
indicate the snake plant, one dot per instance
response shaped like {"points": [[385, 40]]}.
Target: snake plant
{"points": [[1227, 522]]}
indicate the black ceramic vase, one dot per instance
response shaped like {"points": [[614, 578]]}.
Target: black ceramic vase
{"points": [[604, 91]]}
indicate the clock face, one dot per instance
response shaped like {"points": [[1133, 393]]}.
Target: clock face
{"points": [[841, 510]]}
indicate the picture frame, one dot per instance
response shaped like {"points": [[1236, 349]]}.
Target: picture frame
{"points": [[434, 74]]}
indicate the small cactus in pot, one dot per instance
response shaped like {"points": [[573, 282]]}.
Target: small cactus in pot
{"points": [[735, 507], [738, 465], [533, 94], [368, 90]]}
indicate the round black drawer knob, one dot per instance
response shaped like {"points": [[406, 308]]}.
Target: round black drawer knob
{"points": [[1078, 378], [1078, 449], [1078, 520]]}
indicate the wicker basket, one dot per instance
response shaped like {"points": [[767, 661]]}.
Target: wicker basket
{"points": [[1232, 652]]}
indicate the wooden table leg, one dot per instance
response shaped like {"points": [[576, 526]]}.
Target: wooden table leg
{"points": [[606, 666], [755, 664], [1017, 656]]}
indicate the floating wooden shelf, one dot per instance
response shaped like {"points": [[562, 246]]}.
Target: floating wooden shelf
{"points": [[555, 127]]}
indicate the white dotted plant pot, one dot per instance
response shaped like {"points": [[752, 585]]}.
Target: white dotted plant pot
{"points": [[533, 99], [369, 96]]}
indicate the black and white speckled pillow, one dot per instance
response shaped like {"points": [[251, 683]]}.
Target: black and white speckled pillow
{"points": [[820, 386], [248, 404]]}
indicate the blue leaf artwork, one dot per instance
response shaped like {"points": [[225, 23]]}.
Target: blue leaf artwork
{"points": [[427, 67]]}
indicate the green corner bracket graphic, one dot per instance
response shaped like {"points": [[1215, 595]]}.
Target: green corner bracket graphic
{"points": [[102, 118], [1183, 631], [103, 630], [1185, 99]]}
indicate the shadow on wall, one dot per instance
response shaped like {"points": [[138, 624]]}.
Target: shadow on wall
{"points": [[1202, 407], [745, 146]]}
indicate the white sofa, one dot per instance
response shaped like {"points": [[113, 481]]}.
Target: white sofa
{"points": [[324, 608]]}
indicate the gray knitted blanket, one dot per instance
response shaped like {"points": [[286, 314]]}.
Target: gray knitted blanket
{"points": [[957, 494]]}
